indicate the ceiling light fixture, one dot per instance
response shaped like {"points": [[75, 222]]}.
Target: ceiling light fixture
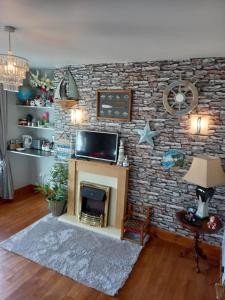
{"points": [[12, 68]]}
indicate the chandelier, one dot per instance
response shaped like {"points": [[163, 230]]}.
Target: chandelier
{"points": [[12, 68]]}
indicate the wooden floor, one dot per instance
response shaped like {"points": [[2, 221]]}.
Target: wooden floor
{"points": [[159, 274]]}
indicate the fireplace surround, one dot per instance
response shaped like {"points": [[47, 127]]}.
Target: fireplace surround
{"points": [[98, 173]]}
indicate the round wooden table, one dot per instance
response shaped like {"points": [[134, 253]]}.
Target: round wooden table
{"points": [[197, 230]]}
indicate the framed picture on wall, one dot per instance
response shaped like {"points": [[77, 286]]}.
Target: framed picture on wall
{"points": [[114, 105]]}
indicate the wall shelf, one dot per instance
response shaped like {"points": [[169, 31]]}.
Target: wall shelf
{"points": [[66, 104], [36, 127], [33, 153], [35, 107]]}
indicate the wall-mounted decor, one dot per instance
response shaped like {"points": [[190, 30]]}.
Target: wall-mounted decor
{"points": [[180, 97], [64, 147], [62, 150], [173, 159], [66, 92], [114, 105], [146, 135]]}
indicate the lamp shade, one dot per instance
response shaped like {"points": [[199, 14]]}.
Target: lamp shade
{"points": [[206, 171]]}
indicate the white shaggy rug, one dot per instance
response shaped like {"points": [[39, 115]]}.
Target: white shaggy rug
{"points": [[90, 258]]}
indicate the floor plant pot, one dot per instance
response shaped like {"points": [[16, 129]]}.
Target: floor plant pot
{"points": [[57, 208]]}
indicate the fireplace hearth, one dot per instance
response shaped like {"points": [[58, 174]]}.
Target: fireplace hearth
{"points": [[94, 204]]}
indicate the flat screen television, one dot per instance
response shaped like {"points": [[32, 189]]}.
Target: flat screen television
{"points": [[96, 145]]}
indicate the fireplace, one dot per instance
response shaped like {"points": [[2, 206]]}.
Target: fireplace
{"points": [[94, 204]]}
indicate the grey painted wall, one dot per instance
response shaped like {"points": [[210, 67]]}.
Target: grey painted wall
{"points": [[165, 191], [19, 164]]}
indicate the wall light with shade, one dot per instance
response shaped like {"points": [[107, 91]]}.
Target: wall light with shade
{"points": [[206, 172], [77, 115], [199, 124]]}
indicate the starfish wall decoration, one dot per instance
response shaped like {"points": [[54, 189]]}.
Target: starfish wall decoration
{"points": [[146, 135]]}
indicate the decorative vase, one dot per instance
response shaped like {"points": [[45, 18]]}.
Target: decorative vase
{"points": [[57, 208]]}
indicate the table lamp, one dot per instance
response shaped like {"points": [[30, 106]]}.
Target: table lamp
{"points": [[207, 173]]}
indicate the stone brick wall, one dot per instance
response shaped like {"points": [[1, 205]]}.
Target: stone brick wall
{"points": [[164, 190]]}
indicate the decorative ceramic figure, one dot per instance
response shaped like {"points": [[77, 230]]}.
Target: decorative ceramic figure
{"points": [[212, 223], [146, 135], [47, 103], [121, 153], [37, 102]]}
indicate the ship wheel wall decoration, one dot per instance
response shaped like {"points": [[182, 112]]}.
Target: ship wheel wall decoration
{"points": [[180, 97]]}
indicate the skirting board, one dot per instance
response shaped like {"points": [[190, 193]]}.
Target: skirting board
{"points": [[28, 189], [213, 252]]}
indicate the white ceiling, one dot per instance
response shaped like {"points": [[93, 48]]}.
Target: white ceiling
{"points": [[53, 33]]}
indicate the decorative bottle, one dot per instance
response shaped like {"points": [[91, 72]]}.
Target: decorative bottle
{"points": [[121, 153]]}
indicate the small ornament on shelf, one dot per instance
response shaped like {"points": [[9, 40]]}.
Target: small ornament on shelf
{"points": [[125, 161], [32, 103], [45, 146], [212, 223], [121, 153], [45, 117]]}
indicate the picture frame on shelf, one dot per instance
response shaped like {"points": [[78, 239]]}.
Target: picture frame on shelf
{"points": [[114, 104]]}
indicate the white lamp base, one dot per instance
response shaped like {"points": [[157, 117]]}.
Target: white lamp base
{"points": [[202, 211]]}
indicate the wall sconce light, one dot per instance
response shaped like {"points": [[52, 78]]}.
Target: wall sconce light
{"points": [[76, 115], [199, 124]]}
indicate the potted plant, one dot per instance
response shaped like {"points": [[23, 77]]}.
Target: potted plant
{"points": [[55, 189]]}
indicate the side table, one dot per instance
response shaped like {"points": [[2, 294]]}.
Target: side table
{"points": [[197, 231]]}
